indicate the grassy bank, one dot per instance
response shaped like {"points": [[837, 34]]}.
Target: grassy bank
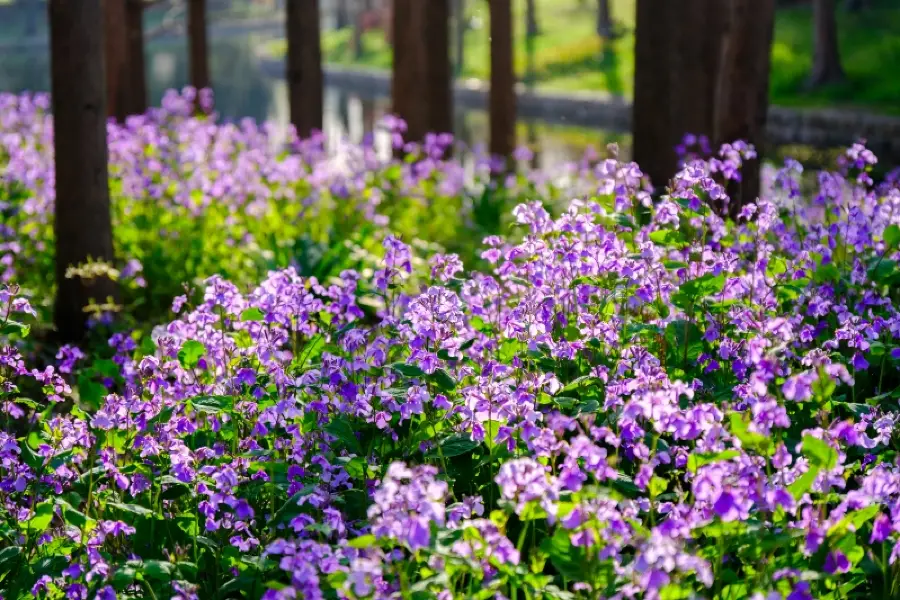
{"points": [[568, 55]]}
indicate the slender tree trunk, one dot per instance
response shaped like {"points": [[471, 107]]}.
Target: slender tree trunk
{"points": [[421, 86], [198, 49], [304, 66], [116, 59], [82, 221], [360, 8], [604, 19], [653, 143], [677, 54], [826, 53], [342, 14], [742, 93], [461, 25], [137, 71], [502, 101], [531, 21]]}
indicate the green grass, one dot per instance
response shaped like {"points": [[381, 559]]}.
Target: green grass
{"points": [[568, 55]]}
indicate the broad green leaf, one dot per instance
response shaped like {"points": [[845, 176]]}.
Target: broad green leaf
{"points": [[363, 541], [135, 509], [819, 452], [407, 370], [341, 429], [252, 314], [190, 353], [40, 521], [455, 445], [892, 236], [695, 461]]}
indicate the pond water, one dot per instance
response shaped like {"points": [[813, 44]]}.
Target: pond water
{"points": [[243, 89]]}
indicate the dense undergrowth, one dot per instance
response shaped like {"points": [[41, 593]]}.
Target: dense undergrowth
{"points": [[631, 399]]}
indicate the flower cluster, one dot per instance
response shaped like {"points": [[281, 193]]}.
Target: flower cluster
{"points": [[633, 399]]}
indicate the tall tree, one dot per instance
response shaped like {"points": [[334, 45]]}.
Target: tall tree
{"points": [[743, 87], [461, 24], [502, 101], [422, 83], [304, 66], [197, 45], [826, 53], [604, 19], [137, 70], [116, 59], [531, 20], [82, 221], [653, 142], [678, 52]]}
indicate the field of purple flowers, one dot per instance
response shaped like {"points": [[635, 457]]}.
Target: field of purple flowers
{"points": [[620, 397]]}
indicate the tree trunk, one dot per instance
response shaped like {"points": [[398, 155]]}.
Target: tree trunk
{"points": [[742, 93], [116, 59], [653, 143], [360, 9], [677, 53], [422, 85], [198, 50], [304, 66], [82, 222], [856, 5], [826, 54], [604, 20], [531, 24], [137, 71], [502, 101], [461, 25], [341, 14]]}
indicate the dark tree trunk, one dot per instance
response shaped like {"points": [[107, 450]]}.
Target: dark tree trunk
{"points": [[826, 54], [304, 66], [653, 143], [422, 85], [531, 21], [502, 101], [82, 222], [604, 19], [197, 45], [342, 14], [461, 25], [137, 71], [677, 53], [742, 93], [360, 8], [116, 59]]}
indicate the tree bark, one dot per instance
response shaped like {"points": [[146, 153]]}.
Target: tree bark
{"points": [[461, 25], [137, 70], [304, 66], [677, 54], [116, 59], [82, 221], [742, 93], [421, 85], [531, 21], [653, 142], [198, 49], [826, 67], [604, 19], [502, 100]]}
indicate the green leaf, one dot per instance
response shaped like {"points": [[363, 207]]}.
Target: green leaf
{"points": [[407, 370], [363, 541], [75, 517], [341, 429], [695, 461], [212, 404], [892, 236], [569, 560], [804, 482], [455, 445], [750, 439], [819, 452], [667, 237], [134, 509], [190, 354], [158, 569], [826, 273], [43, 515], [443, 380], [11, 327], [252, 314]]}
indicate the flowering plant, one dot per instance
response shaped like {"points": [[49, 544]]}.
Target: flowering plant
{"points": [[636, 399]]}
